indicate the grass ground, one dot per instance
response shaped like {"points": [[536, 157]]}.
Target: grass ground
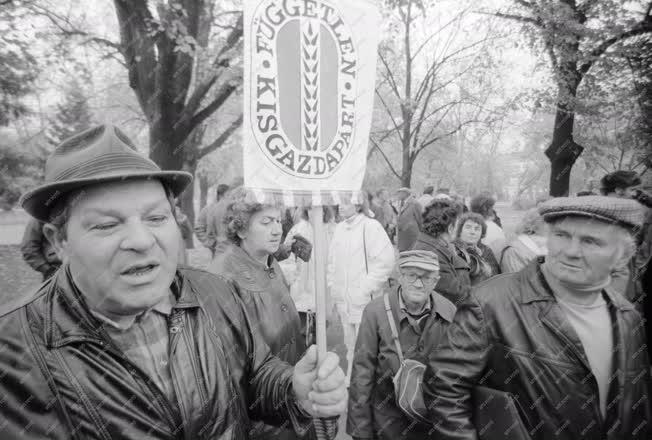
{"points": [[17, 278]]}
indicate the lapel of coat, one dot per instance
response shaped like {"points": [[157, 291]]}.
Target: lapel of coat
{"points": [[553, 317]]}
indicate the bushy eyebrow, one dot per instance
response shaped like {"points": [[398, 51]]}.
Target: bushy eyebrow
{"points": [[582, 236], [113, 213]]}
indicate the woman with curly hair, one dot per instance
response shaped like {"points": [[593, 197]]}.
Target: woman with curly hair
{"points": [[437, 236], [471, 228], [254, 233]]}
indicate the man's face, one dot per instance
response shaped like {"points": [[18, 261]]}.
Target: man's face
{"points": [[122, 244], [582, 251], [347, 210], [416, 284], [263, 236], [402, 195]]}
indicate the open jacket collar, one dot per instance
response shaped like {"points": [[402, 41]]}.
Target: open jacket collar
{"points": [[439, 306], [541, 291], [68, 318]]}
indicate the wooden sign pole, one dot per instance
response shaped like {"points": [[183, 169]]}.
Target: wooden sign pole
{"points": [[319, 261], [324, 428]]}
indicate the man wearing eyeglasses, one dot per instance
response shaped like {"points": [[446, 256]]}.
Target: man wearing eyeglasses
{"points": [[420, 315]]}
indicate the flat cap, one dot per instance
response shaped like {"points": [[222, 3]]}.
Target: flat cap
{"points": [[425, 260], [627, 213], [404, 189]]}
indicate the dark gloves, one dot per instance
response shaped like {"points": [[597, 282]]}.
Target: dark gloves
{"points": [[643, 198], [301, 247]]}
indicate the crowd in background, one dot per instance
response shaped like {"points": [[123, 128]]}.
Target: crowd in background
{"points": [[375, 244]]}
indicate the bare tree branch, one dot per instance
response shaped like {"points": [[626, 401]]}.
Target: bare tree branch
{"points": [[222, 138], [220, 63], [443, 136], [389, 76], [434, 34], [389, 163], [534, 21], [222, 95], [67, 29], [397, 127], [642, 27]]}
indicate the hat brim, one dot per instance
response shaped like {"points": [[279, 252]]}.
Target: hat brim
{"points": [[420, 265], [39, 201], [549, 216]]}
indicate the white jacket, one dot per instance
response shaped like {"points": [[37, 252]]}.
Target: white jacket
{"points": [[351, 282], [302, 274]]}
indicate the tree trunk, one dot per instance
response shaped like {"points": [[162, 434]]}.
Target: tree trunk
{"points": [[406, 172], [563, 151], [204, 185], [188, 198], [162, 148]]}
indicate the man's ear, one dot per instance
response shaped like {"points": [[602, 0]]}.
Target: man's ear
{"points": [[628, 250], [53, 235]]}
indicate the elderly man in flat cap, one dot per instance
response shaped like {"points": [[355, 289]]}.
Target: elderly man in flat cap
{"points": [[122, 343], [419, 316], [555, 336]]}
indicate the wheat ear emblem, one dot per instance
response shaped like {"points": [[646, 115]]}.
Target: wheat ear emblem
{"points": [[310, 83]]}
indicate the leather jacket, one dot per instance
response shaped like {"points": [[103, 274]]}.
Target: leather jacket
{"points": [[513, 336], [61, 377], [265, 293]]}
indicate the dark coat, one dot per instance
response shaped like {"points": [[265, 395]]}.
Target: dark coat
{"points": [[454, 282], [511, 335], [372, 409], [408, 224], [266, 295], [62, 377], [479, 259]]}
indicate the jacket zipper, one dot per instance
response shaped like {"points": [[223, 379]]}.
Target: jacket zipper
{"points": [[594, 382], [154, 389], [193, 364], [175, 379]]}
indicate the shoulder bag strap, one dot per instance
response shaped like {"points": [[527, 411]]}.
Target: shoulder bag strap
{"points": [[392, 325]]}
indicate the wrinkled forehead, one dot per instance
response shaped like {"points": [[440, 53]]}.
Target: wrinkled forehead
{"points": [[417, 271], [268, 211], [118, 196], [581, 225]]}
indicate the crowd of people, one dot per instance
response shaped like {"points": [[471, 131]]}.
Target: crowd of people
{"points": [[453, 329]]}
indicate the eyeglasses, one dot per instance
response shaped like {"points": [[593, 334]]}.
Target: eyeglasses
{"points": [[426, 280]]}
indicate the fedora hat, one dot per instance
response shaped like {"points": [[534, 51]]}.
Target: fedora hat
{"points": [[99, 154]]}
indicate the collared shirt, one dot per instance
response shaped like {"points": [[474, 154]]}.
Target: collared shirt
{"points": [[145, 342], [413, 320], [419, 334]]}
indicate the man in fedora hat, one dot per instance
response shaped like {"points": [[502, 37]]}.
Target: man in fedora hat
{"points": [[555, 336], [124, 343]]}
